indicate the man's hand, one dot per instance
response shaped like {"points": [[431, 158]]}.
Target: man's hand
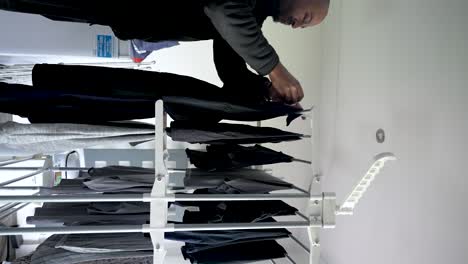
{"points": [[285, 87]]}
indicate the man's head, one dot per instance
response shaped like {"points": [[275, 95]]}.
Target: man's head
{"points": [[302, 13]]}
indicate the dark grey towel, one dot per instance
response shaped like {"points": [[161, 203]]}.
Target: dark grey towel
{"points": [[105, 243], [205, 240], [46, 253], [264, 182], [123, 208], [237, 253], [228, 157], [224, 133]]}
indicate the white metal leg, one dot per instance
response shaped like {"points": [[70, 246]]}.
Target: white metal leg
{"points": [[14, 161], [22, 178], [159, 203], [314, 253]]}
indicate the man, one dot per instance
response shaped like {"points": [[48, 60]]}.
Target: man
{"points": [[233, 25]]}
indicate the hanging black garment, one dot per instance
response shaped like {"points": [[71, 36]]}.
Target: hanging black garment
{"points": [[117, 82], [245, 180], [245, 186], [85, 94], [203, 240], [238, 253], [235, 211], [48, 252], [228, 157], [183, 108], [224, 133]]}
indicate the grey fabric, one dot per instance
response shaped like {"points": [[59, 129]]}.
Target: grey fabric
{"points": [[70, 211], [243, 180], [105, 243], [30, 139], [226, 133], [57, 214], [46, 253], [61, 205], [66, 220], [67, 186], [139, 260], [122, 183], [136, 260], [140, 180], [197, 178], [238, 186], [140, 49], [114, 179], [118, 208], [22, 260], [212, 239]]}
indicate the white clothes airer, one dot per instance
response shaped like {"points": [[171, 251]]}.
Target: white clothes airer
{"points": [[322, 209]]}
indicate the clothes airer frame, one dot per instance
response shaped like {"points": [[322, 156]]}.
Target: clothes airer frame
{"points": [[321, 214]]}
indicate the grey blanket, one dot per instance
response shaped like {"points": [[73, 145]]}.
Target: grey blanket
{"points": [[30, 139]]}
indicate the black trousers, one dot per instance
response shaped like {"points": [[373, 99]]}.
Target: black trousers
{"points": [[84, 94]]}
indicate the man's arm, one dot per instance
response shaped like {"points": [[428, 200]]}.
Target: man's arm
{"points": [[238, 26], [236, 23], [235, 75]]}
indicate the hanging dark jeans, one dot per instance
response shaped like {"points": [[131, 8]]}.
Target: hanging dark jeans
{"points": [[238, 253], [225, 133], [235, 211], [228, 157]]}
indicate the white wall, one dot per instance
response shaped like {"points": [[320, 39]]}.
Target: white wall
{"points": [[26, 34], [401, 66]]}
